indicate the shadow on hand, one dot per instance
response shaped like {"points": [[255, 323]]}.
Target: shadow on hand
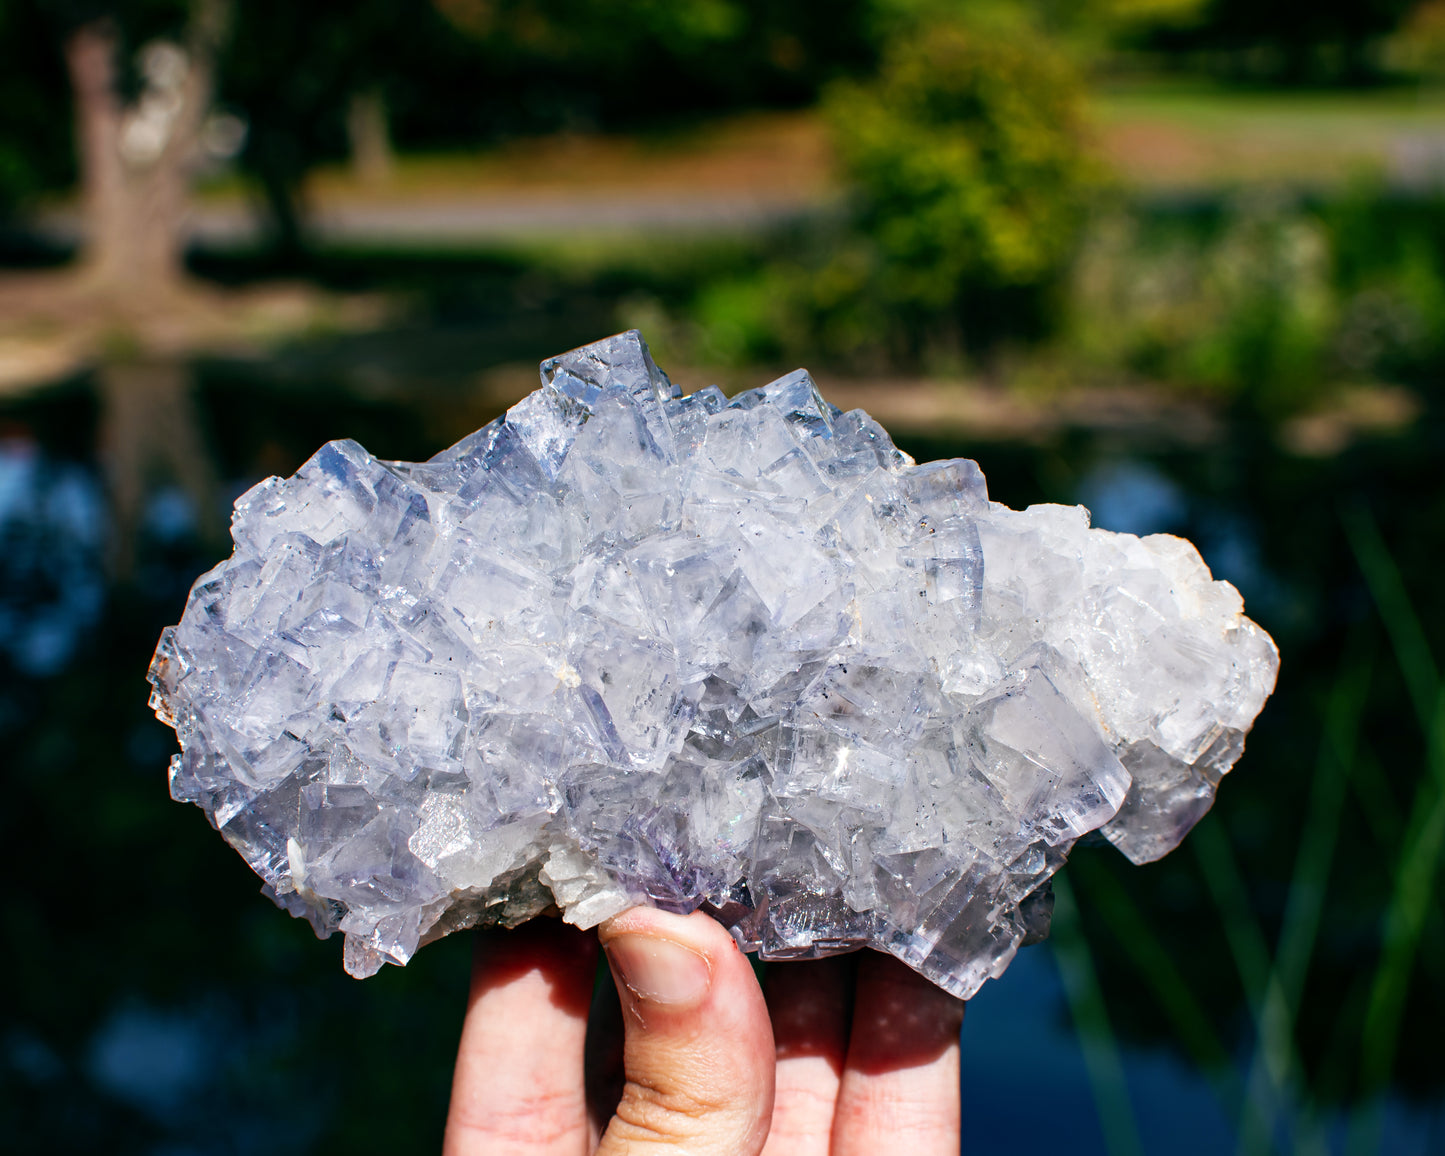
{"points": [[900, 1019], [563, 955]]}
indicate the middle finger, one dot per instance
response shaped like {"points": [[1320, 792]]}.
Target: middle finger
{"points": [[808, 1003]]}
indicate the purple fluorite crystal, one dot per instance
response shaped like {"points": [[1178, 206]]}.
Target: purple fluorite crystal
{"points": [[624, 646]]}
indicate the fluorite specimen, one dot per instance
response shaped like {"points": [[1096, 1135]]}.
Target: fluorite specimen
{"points": [[624, 646]]}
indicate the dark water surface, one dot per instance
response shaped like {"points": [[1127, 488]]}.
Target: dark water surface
{"points": [[1277, 984]]}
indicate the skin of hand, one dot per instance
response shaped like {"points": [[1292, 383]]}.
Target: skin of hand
{"points": [[848, 1055]]}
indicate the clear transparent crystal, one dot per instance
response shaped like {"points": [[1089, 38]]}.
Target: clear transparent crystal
{"points": [[624, 646]]}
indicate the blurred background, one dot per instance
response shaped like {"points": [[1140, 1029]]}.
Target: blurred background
{"points": [[1182, 261]]}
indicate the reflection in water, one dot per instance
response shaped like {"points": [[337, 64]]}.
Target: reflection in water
{"points": [[150, 439], [31, 1058], [156, 1061], [1131, 497], [53, 536], [1018, 1053], [191, 1071], [169, 1008]]}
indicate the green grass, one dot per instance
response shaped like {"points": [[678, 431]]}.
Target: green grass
{"points": [[1412, 900], [1275, 1067], [1102, 1061], [1170, 136], [1213, 107], [1275, 1101]]}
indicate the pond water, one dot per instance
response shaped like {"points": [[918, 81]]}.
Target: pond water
{"points": [[1274, 985]]}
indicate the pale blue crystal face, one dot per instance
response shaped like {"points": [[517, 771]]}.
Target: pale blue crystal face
{"points": [[624, 646]]}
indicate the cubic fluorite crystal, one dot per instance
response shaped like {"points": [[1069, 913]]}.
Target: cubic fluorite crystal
{"points": [[624, 646]]}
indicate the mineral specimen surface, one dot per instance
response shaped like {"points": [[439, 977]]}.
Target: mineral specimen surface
{"points": [[627, 646]]}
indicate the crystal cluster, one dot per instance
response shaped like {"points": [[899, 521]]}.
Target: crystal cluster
{"points": [[624, 646]]}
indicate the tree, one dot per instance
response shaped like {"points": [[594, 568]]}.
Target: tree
{"points": [[624, 63], [966, 155], [1081, 24], [299, 72], [1289, 41], [316, 81], [137, 156], [34, 158]]}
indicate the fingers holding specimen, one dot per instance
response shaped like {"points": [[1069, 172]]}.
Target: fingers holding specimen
{"points": [[700, 1057], [518, 1085], [809, 1003], [698, 1049], [900, 1089]]}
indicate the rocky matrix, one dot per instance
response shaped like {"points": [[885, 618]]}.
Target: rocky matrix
{"points": [[624, 646]]}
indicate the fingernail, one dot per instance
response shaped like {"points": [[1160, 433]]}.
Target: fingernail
{"points": [[659, 970]]}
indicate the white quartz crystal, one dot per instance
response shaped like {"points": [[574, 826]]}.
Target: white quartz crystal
{"points": [[624, 646]]}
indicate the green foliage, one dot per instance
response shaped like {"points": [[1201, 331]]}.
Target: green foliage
{"points": [[968, 176], [1389, 258], [35, 151], [743, 320], [1091, 29], [563, 27], [1265, 301], [1417, 48], [1287, 41], [530, 65], [1247, 306], [967, 157], [1270, 302]]}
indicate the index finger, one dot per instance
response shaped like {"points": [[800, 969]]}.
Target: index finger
{"points": [[518, 1086]]}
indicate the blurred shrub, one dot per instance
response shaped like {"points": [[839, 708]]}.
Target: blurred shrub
{"points": [[1289, 42], [966, 158], [1268, 302], [1417, 47], [744, 321], [1264, 300], [1247, 306], [968, 176], [1388, 255]]}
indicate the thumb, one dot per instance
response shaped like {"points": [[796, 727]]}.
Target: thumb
{"points": [[698, 1044]]}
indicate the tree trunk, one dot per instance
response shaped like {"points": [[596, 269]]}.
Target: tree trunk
{"points": [[137, 160], [90, 56], [371, 156], [151, 435], [278, 167]]}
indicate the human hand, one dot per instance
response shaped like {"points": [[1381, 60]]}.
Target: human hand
{"points": [[854, 1054]]}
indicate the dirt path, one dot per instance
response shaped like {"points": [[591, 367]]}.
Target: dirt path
{"points": [[484, 218], [751, 171], [735, 175]]}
